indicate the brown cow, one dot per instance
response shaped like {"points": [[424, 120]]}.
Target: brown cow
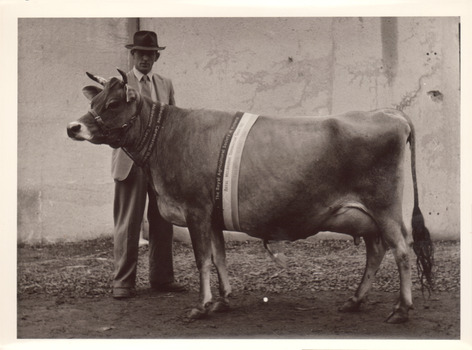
{"points": [[298, 176]]}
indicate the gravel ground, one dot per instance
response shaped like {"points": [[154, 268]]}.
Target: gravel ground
{"points": [[64, 292], [84, 269]]}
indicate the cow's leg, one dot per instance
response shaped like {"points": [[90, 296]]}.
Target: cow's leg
{"points": [[375, 254], [201, 243], [395, 235], [219, 260]]}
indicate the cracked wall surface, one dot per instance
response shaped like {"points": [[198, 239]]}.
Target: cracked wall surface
{"points": [[271, 66]]}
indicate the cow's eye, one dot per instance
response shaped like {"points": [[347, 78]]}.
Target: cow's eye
{"points": [[113, 104]]}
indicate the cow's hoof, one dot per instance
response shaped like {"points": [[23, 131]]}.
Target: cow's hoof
{"points": [[350, 306], [197, 314], [220, 305], [397, 316]]}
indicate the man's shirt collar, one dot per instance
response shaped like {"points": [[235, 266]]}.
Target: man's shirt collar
{"points": [[140, 75]]}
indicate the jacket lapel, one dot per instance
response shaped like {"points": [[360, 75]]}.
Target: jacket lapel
{"points": [[158, 88], [132, 80]]}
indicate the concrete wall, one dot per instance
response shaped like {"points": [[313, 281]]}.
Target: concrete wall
{"points": [[296, 66], [64, 187]]}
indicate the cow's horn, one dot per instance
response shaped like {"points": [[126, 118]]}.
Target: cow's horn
{"points": [[100, 80], [123, 74]]}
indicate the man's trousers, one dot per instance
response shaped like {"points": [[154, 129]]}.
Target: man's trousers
{"points": [[128, 211]]}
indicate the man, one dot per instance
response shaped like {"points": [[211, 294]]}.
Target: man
{"points": [[131, 189]]}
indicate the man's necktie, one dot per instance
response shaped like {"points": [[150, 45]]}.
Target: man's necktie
{"points": [[145, 88]]}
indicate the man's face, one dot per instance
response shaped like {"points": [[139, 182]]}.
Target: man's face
{"points": [[143, 60]]}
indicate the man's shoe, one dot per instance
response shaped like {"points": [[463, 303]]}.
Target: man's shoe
{"points": [[171, 287], [123, 293]]}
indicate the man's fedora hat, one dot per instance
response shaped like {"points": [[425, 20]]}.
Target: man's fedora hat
{"points": [[145, 40]]}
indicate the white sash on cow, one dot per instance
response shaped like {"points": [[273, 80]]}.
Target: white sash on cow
{"points": [[231, 172]]}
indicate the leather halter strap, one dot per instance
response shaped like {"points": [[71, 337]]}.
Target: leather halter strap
{"points": [[105, 129], [99, 121]]}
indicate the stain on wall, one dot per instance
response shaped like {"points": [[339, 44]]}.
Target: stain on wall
{"points": [[29, 213], [389, 38]]}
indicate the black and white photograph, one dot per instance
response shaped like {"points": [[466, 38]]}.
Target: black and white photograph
{"points": [[278, 178]]}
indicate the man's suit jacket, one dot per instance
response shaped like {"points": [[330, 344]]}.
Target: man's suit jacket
{"points": [[121, 164]]}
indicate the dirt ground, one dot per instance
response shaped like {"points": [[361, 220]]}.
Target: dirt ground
{"points": [[64, 292]]}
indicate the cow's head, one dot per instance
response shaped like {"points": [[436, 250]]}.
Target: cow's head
{"points": [[112, 109]]}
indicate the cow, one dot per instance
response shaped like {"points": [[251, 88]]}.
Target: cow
{"points": [[298, 176]]}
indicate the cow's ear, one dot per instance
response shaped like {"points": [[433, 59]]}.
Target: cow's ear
{"points": [[91, 91], [131, 94]]}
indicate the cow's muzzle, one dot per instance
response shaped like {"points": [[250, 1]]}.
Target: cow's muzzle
{"points": [[77, 131]]}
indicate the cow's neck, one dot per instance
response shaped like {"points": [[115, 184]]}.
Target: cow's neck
{"points": [[142, 137]]}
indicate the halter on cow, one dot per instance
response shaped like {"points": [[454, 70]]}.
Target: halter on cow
{"points": [[298, 176]]}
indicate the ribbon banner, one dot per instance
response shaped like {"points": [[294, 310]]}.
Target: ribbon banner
{"points": [[227, 175], [146, 145]]}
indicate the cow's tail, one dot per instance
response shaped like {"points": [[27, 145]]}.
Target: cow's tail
{"points": [[422, 244]]}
